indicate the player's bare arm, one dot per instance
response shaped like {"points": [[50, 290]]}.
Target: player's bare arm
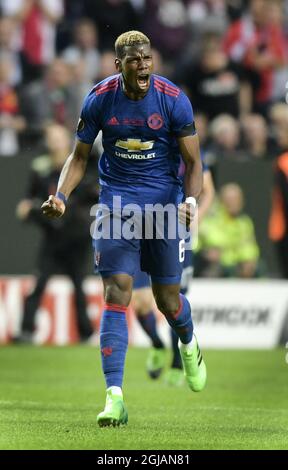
{"points": [[190, 150], [71, 175]]}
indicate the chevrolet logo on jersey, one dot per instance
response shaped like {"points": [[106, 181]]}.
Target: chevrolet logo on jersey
{"points": [[134, 145]]}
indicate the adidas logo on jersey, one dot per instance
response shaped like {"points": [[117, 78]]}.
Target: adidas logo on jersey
{"points": [[113, 121]]}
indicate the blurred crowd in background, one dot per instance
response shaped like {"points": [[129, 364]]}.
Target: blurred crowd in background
{"points": [[229, 56]]}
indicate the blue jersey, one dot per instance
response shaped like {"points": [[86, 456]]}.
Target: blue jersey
{"points": [[141, 155]]}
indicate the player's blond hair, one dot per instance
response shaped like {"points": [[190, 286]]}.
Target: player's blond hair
{"points": [[130, 38]]}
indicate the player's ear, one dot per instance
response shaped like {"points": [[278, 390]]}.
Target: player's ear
{"points": [[118, 65]]}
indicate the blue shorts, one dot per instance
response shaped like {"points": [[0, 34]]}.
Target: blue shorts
{"points": [[142, 279], [162, 258]]}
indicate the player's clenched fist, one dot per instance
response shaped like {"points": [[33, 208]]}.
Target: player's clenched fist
{"points": [[53, 207], [187, 211]]}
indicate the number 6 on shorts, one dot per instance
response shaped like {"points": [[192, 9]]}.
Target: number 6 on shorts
{"points": [[181, 250]]}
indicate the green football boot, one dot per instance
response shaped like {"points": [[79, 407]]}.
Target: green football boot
{"points": [[114, 412], [194, 366], [174, 377], [155, 362]]}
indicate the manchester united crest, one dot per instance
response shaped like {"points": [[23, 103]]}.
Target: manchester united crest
{"points": [[155, 121]]}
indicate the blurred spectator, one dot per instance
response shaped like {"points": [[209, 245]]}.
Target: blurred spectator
{"points": [[215, 84], [225, 138], [107, 65], [138, 5], [53, 98], [235, 9], [278, 224], [256, 138], [278, 114], [277, 17], [232, 252], [166, 24], [37, 22], [201, 122], [81, 86], [112, 17], [8, 47], [11, 122], [85, 48], [224, 133], [204, 16], [207, 14], [259, 43], [63, 239], [73, 11], [158, 63]]}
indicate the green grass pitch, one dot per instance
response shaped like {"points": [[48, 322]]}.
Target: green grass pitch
{"points": [[49, 399]]}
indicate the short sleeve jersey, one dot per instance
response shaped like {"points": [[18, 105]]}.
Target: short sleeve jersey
{"points": [[141, 156]]}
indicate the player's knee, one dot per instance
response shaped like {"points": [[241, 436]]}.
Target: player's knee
{"points": [[168, 305], [118, 291], [114, 295]]}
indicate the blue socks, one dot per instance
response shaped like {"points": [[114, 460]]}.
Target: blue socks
{"points": [[149, 325], [182, 321], [113, 343], [114, 337]]}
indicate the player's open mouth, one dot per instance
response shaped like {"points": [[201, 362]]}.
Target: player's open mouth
{"points": [[143, 81]]}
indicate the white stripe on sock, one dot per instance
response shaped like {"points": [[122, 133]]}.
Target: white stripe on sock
{"points": [[116, 391]]}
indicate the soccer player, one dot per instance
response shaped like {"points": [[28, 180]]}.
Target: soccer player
{"points": [[147, 124], [143, 302]]}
